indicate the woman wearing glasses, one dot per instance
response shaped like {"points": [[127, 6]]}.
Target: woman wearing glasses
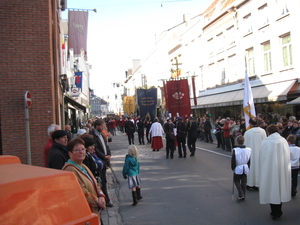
{"points": [[89, 185]]}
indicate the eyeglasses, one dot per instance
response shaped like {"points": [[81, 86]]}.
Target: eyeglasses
{"points": [[79, 150]]}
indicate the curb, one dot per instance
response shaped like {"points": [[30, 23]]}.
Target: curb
{"points": [[111, 216]]}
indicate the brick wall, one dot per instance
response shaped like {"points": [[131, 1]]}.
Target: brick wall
{"points": [[28, 63]]}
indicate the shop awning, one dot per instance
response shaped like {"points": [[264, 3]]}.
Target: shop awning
{"points": [[266, 93], [74, 103], [294, 102]]}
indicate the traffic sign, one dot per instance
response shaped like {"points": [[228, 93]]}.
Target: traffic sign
{"points": [[28, 101]]}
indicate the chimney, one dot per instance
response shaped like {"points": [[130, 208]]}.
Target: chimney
{"points": [[186, 18]]}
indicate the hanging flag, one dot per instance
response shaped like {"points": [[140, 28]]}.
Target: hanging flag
{"points": [[248, 104], [147, 101], [63, 52], [178, 97], [78, 79], [77, 31]]}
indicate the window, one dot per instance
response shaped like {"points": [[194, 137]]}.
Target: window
{"points": [[211, 76], [248, 24], [263, 15], [210, 46], [266, 48], [231, 70], [221, 71], [250, 61], [220, 41], [230, 36], [287, 50], [282, 7]]}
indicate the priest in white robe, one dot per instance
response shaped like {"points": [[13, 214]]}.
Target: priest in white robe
{"points": [[253, 139], [275, 172]]}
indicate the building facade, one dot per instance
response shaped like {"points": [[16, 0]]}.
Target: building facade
{"points": [[30, 43], [220, 45], [34, 58]]}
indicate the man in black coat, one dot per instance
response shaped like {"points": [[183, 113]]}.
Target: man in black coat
{"points": [[192, 135], [129, 130], [58, 154], [207, 130], [103, 152], [170, 138], [181, 137]]}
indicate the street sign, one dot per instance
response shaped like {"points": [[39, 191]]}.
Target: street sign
{"points": [[28, 101]]}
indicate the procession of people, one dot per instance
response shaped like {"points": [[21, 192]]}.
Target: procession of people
{"points": [[265, 157]]}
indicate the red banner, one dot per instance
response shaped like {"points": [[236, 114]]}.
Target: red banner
{"points": [[178, 98], [77, 31]]}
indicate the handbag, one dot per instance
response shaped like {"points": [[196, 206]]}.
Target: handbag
{"points": [[109, 139]]}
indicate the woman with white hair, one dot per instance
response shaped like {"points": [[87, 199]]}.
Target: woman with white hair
{"points": [[131, 170]]}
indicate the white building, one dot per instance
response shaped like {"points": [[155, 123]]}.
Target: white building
{"points": [[215, 45]]}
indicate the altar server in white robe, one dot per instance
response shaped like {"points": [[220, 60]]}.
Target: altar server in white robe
{"points": [[275, 172]]}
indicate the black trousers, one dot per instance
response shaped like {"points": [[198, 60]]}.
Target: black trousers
{"points": [[294, 181], [219, 139], [191, 143], [170, 148], [181, 146], [228, 143], [240, 181], [130, 138], [141, 137], [104, 184], [208, 136], [148, 136]]}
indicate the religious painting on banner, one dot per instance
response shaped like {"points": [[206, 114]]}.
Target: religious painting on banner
{"points": [[178, 98], [147, 101]]}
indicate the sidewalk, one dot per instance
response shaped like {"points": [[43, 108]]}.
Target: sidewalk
{"points": [[111, 216]]}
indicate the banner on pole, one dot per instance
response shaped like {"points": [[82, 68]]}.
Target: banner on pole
{"points": [[248, 103], [77, 31], [178, 97], [147, 101]]}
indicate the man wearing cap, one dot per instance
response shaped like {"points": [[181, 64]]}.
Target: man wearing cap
{"points": [[181, 137], [58, 153], [192, 135]]}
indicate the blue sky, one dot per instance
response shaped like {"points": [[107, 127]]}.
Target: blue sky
{"points": [[123, 30]]}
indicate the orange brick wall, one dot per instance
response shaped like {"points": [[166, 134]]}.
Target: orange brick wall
{"points": [[28, 63]]}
